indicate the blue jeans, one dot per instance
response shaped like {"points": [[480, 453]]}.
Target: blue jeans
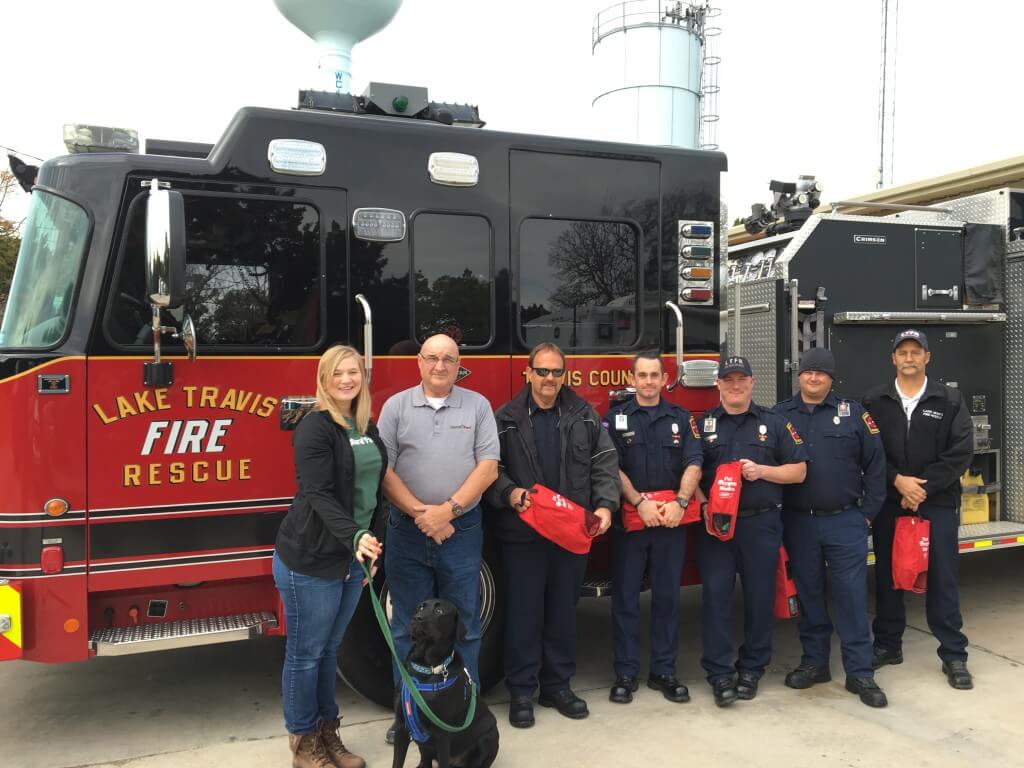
{"points": [[317, 612], [418, 569]]}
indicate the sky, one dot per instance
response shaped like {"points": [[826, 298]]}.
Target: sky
{"points": [[799, 78]]}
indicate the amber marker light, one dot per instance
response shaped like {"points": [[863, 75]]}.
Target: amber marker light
{"points": [[697, 273], [55, 507], [71, 626]]}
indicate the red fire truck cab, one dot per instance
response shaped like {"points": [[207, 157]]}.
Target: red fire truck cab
{"points": [[143, 477]]}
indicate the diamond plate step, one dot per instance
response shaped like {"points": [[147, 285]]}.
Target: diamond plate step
{"points": [[143, 638]]}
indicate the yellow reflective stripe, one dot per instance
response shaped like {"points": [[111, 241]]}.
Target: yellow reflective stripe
{"points": [[10, 604], [980, 544]]}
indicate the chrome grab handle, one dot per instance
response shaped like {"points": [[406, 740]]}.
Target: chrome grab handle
{"points": [[679, 344], [367, 336]]}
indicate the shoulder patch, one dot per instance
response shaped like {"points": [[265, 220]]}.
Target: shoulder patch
{"points": [[693, 428], [869, 423], [793, 433]]}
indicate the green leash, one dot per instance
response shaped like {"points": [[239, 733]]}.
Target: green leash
{"points": [[385, 628]]}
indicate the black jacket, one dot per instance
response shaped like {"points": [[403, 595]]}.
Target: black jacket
{"points": [[589, 474], [315, 537], [937, 445]]}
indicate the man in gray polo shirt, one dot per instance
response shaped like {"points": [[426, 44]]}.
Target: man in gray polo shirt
{"points": [[443, 453]]}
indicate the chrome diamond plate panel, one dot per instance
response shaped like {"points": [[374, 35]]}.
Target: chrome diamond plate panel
{"points": [[985, 208], [757, 336], [1013, 489]]}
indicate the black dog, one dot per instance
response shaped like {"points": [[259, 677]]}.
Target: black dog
{"points": [[434, 663]]}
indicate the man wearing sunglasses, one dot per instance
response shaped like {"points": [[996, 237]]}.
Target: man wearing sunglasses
{"points": [[552, 437], [659, 449], [442, 454]]}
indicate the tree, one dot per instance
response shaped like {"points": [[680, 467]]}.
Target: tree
{"points": [[10, 239]]}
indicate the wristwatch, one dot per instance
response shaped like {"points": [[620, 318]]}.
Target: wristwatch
{"points": [[457, 509], [682, 502], [703, 507]]}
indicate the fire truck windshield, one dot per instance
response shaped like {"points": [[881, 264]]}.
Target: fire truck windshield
{"points": [[46, 273]]}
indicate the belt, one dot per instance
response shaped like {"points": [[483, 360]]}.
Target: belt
{"points": [[752, 512], [824, 512]]}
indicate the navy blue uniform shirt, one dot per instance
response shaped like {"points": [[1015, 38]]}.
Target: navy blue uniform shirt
{"points": [[654, 444], [847, 460], [759, 435], [547, 439]]}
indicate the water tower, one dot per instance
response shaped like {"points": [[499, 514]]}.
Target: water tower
{"points": [[657, 72], [336, 26]]}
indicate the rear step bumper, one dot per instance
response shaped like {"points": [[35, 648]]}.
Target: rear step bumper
{"points": [[142, 638]]}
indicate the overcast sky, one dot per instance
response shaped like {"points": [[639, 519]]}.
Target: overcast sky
{"points": [[799, 78]]}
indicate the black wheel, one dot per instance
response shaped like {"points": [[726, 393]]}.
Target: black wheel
{"points": [[364, 661]]}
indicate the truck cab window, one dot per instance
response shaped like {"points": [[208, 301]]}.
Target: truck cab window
{"points": [[578, 282], [45, 274], [452, 264], [252, 275]]}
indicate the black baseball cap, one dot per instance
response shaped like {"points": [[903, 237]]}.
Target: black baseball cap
{"points": [[818, 359], [734, 365], [910, 334]]}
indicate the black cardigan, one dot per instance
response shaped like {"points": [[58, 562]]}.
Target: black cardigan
{"points": [[315, 537]]}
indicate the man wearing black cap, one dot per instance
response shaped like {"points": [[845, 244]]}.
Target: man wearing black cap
{"points": [[825, 520], [927, 432], [772, 454]]}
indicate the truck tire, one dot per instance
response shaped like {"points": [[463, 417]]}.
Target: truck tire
{"points": [[364, 661]]}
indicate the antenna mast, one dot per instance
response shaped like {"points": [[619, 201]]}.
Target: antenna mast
{"points": [[887, 92]]}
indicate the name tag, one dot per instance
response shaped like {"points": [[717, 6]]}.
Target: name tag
{"points": [[931, 414], [844, 409], [621, 422], [710, 424]]}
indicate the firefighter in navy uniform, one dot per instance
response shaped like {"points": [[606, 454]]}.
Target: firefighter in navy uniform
{"points": [[825, 520], [659, 450], [773, 455], [927, 433]]}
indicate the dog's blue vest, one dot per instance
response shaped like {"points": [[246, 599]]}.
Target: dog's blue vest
{"points": [[411, 713]]}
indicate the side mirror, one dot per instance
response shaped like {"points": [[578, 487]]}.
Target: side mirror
{"points": [[165, 276], [165, 247]]}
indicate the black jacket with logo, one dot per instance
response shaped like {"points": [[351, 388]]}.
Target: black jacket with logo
{"points": [[589, 474], [937, 445], [315, 537]]}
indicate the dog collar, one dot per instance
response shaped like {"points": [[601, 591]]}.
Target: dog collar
{"points": [[440, 669]]}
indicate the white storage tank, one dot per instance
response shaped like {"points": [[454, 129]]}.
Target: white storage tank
{"points": [[650, 59]]}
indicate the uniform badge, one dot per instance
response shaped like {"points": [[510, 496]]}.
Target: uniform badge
{"points": [[762, 433], [870, 423], [676, 439], [835, 420], [844, 410], [794, 434], [710, 424], [693, 428], [675, 428], [621, 422], [711, 438]]}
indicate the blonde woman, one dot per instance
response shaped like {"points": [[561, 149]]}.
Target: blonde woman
{"points": [[339, 464]]}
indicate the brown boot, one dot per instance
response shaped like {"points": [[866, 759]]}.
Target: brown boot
{"points": [[334, 746], [308, 751]]}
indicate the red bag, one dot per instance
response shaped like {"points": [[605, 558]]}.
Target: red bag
{"points": [[786, 605], [724, 500], [560, 520], [910, 554], [631, 518]]}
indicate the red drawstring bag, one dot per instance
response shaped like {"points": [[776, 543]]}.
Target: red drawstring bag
{"points": [[910, 554], [724, 500], [786, 605], [561, 520], [631, 518]]}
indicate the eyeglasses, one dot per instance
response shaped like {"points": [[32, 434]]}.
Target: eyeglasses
{"points": [[433, 360], [545, 372]]}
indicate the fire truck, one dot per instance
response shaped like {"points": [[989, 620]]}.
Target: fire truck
{"points": [[850, 281], [168, 309]]}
